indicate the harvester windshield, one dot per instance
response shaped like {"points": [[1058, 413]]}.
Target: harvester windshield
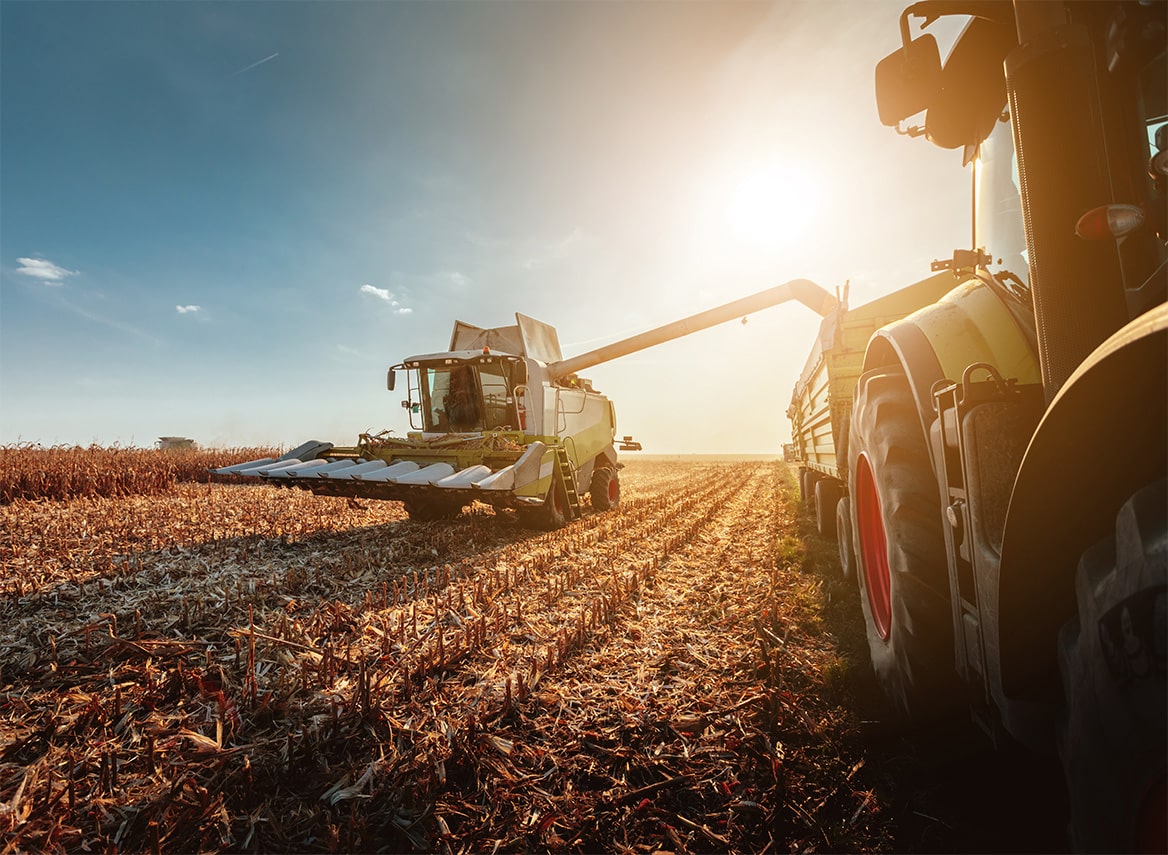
{"points": [[462, 397]]}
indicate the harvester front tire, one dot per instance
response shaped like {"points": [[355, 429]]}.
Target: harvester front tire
{"points": [[552, 514], [1112, 658], [605, 489], [422, 510], [900, 549]]}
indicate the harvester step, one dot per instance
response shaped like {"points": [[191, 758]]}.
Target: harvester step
{"points": [[569, 481]]}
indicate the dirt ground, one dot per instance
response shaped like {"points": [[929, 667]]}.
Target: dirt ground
{"points": [[245, 668]]}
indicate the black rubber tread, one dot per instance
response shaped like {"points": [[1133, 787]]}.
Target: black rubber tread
{"points": [[432, 510], [1112, 738], [552, 514], [843, 537], [598, 489], [807, 480], [828, 492], [914, 666]]}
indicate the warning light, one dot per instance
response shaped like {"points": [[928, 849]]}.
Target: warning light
{"points": [[1109, 221]]}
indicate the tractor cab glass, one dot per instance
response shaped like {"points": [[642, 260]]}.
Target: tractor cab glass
{"points": [[999, 225]]}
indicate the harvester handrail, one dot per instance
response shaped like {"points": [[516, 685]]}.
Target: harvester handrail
{"points": [[804, 290]]}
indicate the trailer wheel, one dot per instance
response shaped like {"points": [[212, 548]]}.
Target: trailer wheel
{"points": [[828, 492], [552, 514], [605, 489], [432, 510], [843, 536], [900, 549], [807, 480], [1112, 658]]}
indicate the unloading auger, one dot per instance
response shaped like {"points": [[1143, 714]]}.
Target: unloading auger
{"points": [[500, 417]]}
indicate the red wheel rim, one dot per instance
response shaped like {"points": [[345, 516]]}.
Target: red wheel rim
{"points": [[613, 490], [873, 549]]}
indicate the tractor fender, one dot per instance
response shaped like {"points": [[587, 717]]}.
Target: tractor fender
{"points": [[1103, 437], [971, 323]]}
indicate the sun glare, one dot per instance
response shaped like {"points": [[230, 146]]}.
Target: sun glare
{"points": [[772, 206]]}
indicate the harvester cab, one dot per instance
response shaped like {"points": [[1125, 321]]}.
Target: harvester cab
{"points": [[503, 418]]}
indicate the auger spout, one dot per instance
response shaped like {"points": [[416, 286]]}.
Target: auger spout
{"points": [[804, 290]]}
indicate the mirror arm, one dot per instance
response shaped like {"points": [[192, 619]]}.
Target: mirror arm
{"points": [[905, 34]]}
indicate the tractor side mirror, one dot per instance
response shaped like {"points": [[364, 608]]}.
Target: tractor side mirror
{"points": [[973, 85], [390, 379], [908, 80]]}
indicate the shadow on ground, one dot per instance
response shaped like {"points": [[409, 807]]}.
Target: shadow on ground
{"points": [[944, 786]]}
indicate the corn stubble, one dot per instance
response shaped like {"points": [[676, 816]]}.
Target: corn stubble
{"points": [[219, 667]]}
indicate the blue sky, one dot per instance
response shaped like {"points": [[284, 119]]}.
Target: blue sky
{"points": [[225, 220]]}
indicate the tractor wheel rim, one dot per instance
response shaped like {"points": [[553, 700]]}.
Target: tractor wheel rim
{"points": [[873, 549], [613, 490]]}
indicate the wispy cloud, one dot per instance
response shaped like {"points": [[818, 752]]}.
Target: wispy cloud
{"points": [[388, 296], [556, 250], [186, 310], [255, 64], [43, 269]]}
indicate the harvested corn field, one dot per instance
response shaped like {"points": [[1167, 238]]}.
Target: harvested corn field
{"points": [[247, 668]]}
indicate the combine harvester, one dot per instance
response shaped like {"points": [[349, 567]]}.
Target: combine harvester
{"points": [[501, 417]]}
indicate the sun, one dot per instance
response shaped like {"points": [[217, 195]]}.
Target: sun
{"points": [[774, 205]]}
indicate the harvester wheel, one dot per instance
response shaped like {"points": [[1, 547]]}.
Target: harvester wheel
{"points": [[1112, 658], [828, 492], [423, 510], [605, 489], [900, 549], [552, 514]]}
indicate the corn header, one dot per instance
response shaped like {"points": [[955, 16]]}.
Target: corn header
{"points": [[502, 418]]}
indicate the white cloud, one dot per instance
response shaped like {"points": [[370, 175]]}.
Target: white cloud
{"points": [[43, 269], [379, 293], [388, 296], [185, 310]]}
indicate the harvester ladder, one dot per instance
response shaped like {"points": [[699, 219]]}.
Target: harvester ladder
{"points": [[568, 478]]}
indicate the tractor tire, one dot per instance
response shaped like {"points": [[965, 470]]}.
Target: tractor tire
{"points": [[828, 492], [900, 550], [843, 537], [1112, 658], [552, 514], [432, 510], [605, 489]]}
